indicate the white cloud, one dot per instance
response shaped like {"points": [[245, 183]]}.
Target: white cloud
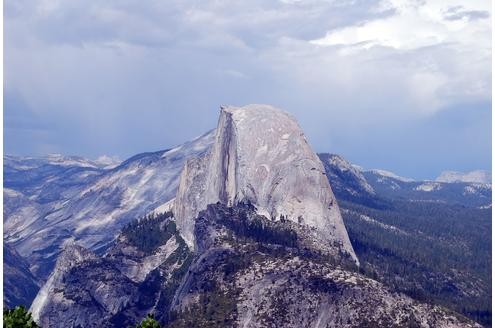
{"points": [[416, 25], [444, 49]]}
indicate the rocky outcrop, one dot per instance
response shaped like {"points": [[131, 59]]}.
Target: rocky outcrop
{"points": [[138, 275], [260, 155], [51, 294], [252, 272]]}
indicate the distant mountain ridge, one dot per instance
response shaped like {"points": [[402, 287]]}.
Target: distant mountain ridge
{"points": [[30, 162], [353, 183], [81, 202]]}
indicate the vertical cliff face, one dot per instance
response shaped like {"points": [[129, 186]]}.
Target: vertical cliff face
{"points": [[261, 155]]}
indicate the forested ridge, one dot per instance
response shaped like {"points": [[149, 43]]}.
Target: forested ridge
{"points": [[432, 252]]}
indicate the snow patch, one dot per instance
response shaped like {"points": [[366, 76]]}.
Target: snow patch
{"points": [[429, 186], [108, 162], [478, 176], [392, 175], [368, 219]]}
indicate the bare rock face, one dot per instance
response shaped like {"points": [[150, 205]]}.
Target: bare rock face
{"points": [[261, 155]]}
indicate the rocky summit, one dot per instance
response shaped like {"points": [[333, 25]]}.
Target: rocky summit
{"points": [[260, 155]]}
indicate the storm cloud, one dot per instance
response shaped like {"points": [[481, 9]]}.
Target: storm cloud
{"points": [[400, 85]]}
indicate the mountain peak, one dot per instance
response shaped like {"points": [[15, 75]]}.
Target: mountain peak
{"points": [[261, 155], [347, 169], [478, 176]]}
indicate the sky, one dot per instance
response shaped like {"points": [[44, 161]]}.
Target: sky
{"points": [[392, 84]]}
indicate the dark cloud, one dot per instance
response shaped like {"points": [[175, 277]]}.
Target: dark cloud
{"points": [[122, 77], [254, 23]]}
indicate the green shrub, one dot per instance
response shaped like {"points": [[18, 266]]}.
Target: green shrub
{"points": [[18, 318], [149, 322]]}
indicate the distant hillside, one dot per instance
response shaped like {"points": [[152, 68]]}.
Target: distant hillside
{"points": [[431, 240]]}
